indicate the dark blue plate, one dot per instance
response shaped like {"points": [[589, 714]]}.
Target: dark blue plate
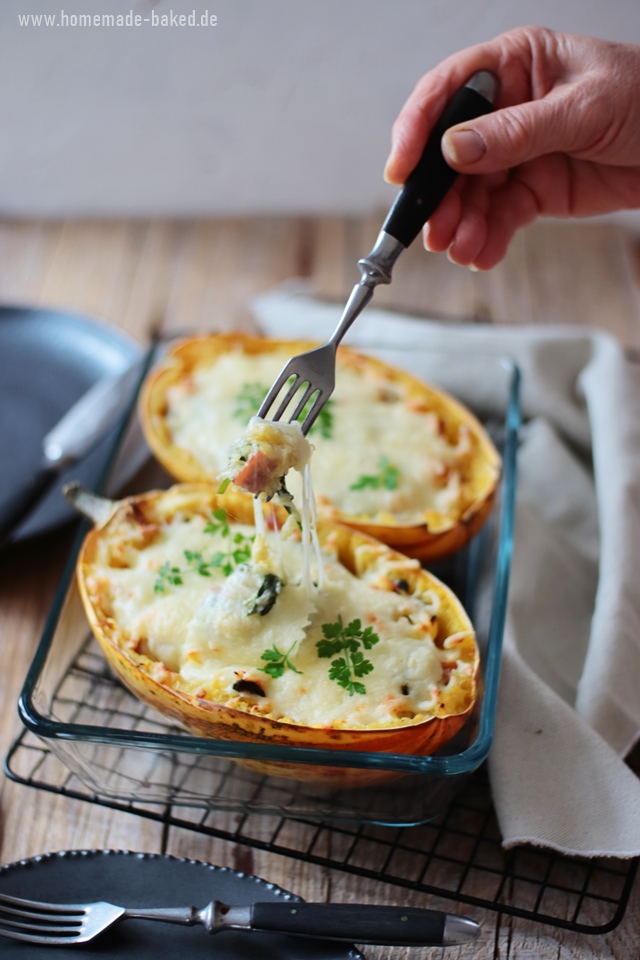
{"points": [[142, 879], [48, 359]]}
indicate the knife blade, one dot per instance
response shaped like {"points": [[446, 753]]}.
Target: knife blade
{"points": [[74, 436]]}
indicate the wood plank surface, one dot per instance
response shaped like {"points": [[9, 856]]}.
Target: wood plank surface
{"points": [[202, 275]]}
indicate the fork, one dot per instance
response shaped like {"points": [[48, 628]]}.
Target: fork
{"points": [[313, 372], [74, 923]]}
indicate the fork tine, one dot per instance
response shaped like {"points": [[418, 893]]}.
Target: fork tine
{"points": [[38, 907], [40, 929], [310, 390], [314, 413], [274, 393], [16, 904], [39, 916], [288, 397], [35, 922], [59, 940]]}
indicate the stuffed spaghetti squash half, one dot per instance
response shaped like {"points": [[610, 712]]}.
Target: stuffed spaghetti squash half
{"points": [[212, 621], [394, 457]]}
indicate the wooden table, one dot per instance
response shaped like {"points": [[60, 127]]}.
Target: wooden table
{"points": [[203, 275]]}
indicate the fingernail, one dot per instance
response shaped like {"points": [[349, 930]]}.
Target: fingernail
{"points": [[464, 146], [386, 168]]}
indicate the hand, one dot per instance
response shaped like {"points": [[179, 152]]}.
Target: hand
{"points": [[563, 142]]}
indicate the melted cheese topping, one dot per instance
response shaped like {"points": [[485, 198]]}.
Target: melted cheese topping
{"points": [[369, 419], [282, 447], [172, 604]]}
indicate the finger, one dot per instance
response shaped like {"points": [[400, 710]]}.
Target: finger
{"points": [[427, 102], [440, 229], [518, 134], [471, 232], [509, 56], [470, 238], [512, 206]]}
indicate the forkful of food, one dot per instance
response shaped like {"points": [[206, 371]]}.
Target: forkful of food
{"points": [[308, 380]]}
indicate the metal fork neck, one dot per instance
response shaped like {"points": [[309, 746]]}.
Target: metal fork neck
{"points": [[185, 916], [375, 268]]}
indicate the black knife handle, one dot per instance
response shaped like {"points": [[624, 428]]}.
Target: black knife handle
{"points": [[389, 926], [15, 507], [432, 177]]}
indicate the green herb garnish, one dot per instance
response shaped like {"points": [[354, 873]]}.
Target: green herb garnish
{"points": [[225, 560], [388, 477], [223, 485], [228, 560], [347, 640], [221, 523], [277, 662], [197, 561], [167, 576], [249, 400]]}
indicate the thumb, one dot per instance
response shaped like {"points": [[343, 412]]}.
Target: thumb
{"points": [[514, 135]]}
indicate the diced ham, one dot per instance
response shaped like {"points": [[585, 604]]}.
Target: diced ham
{"points": [[256, 473]]}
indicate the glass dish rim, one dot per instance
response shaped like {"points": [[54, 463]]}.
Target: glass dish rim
{"points": [[461, 763]]}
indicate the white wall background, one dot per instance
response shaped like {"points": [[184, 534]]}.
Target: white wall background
{"points": [[284, 106]]}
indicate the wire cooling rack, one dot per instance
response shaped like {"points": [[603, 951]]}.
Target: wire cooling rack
{"points": [[458, 857]]}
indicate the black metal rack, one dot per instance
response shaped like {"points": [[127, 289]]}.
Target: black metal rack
{"points": [[458, 857]]}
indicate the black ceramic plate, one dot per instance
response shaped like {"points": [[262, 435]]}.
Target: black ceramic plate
{"points": [[140, 879], [48, 359]]}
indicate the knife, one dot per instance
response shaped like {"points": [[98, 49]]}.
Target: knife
{"points": [[72, 438], [358, 923]]}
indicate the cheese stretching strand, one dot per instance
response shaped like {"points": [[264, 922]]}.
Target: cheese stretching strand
{"points": [[259, 463]]}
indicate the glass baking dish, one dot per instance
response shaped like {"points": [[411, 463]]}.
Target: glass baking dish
{"points": [[122, 749]]}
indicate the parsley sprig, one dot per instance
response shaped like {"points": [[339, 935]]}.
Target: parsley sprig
{"points": [[347, 640], [225, 560], [388, 477], [219, 523], [278, 662], [168, 576], [251, 395], [248, 400], [228, 560], [197, 561]]}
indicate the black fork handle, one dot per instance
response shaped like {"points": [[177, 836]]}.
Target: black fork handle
{"points": [[432, 177]]}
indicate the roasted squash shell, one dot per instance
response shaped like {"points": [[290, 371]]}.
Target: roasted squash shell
{"points": [[132, 524], [429, 533]]}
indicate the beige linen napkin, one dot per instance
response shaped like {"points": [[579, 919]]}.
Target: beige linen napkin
{"points": [[569, 702]]}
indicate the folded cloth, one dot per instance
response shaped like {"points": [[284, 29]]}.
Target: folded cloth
{"points": [[569, 701]]}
